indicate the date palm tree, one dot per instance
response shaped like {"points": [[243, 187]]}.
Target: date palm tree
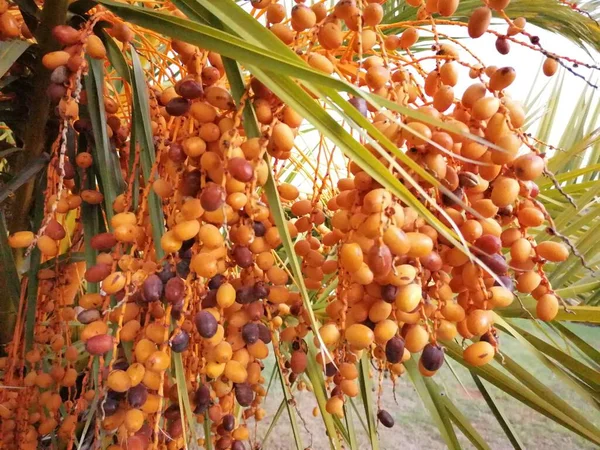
{"points": [[338, 123]]}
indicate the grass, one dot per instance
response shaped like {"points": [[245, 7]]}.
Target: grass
{"points": [[414, 427]]}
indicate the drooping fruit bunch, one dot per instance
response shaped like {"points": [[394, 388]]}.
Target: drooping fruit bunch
{"points": [[164, 283], [12, 25]]}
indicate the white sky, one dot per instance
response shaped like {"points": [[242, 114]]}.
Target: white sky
{"points": [[527, 64]]}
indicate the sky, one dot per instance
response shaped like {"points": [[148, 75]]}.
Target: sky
{"points": [[527, 64]]}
